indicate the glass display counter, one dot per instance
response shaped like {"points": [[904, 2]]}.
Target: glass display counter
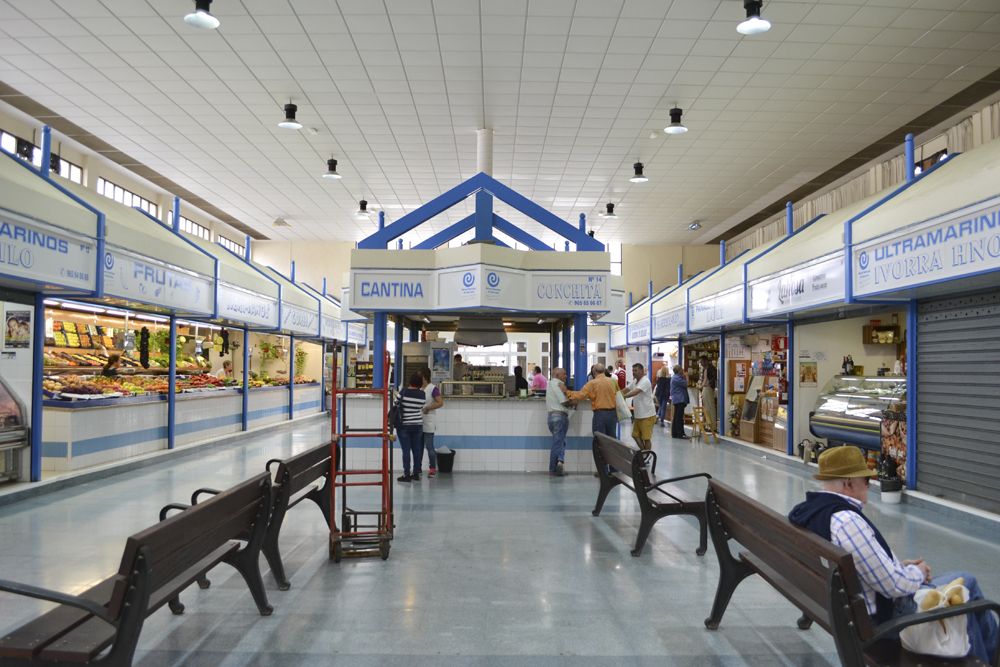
{"points": [[850, 409]]}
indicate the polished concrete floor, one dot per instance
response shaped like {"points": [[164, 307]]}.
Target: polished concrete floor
{"points": [[485, 569]]}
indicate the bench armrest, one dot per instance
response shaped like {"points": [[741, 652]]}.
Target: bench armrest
{"points": [[647, 454], [211, 492], [55, 596], [678, 479], [172, 506], [902, 622], [268, 466]]}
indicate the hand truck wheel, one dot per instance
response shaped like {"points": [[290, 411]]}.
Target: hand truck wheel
{"points": [[337, 551], [383, 549]]}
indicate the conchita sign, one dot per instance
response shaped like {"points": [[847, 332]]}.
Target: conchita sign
{"points": [[962, 243]]}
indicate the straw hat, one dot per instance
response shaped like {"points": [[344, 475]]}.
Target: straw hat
{"points": [[845, 461]]}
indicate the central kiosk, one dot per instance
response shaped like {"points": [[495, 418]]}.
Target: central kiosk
{"points": [[482, 290]]}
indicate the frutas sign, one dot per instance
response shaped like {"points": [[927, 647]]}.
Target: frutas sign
{"points": [[961, 243], [147, 280]]}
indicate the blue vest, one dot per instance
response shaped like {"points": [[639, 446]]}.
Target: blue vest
{"points": [[815, 514]]}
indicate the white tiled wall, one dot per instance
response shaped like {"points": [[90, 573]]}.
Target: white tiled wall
{"points": [[205, 409]]}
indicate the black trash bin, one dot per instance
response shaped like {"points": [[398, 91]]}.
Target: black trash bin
{"points": [[445, 462]]}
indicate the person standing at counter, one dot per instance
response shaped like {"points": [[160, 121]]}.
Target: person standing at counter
{"points": [[662, 392], [411, 432], [460, 368], [519, 381], [709, 381], [110, 369], [601, 393], [432, 402], [643, 413], [539, 383], [226, 371], [679, 397], [558, 407]]}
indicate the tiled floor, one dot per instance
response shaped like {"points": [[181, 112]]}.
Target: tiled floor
{"points": [[486, 569]]}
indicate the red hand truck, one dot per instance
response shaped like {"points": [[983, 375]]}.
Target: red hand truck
{"points": [[360, 539]]}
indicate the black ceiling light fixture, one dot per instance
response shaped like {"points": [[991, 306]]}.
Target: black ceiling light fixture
{"points": [[201, 17], [290, 123], [754, 25], [331, 169], [610, 215], [362, 211], [675, 127], [638, 178]]}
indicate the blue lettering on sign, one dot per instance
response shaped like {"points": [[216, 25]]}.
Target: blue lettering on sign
{"points": [[958, 230], [161, 276], [31, 237], [249, 307], [562, 291], [392, 290]]}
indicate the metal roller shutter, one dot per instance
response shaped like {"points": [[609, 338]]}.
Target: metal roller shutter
{"points": [[958, 399]]}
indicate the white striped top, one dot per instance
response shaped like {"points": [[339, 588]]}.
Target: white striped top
{"points": [[412, 400]]}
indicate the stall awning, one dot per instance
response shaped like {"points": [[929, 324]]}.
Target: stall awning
{"points": [[246, 294], [299, 308], [146, 263], [669, 311], [717, 299], [49, 237], [331, 328], [637, 329], [943, 228], [805, 270]]}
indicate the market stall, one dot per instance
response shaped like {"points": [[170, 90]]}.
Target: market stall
{"points": [[936, 245], [51, 244]]}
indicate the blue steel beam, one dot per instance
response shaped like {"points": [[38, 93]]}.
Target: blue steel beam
{"points": [[445, 235], [540, 215], [519, 234], [484, 216]]}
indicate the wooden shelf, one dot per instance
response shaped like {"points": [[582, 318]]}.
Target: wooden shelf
{"points": [[866, 334]]}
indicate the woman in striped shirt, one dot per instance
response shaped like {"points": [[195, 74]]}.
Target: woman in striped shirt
{"points": [[411, 433]]}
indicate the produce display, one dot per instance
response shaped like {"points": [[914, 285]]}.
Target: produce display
{"points": [[56, 358], [73, 386], [71, 334]]}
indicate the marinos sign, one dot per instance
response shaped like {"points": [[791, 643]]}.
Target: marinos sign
{"points": [[36, 251], [961, 243]]}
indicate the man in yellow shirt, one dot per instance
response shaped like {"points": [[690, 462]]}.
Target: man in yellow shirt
{"points": [[601, 393]]}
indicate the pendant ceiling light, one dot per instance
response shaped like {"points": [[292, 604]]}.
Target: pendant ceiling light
{"points": [[610, 215], [675, 126], [638, 178], [331, 169], [290, 123], [694, 225], [362, 209], [200, 17], [754, 25]]}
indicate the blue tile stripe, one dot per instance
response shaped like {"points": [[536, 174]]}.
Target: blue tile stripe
{"points": [[56, 449], [488, 442]]}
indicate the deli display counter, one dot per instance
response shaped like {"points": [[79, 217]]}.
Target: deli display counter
{"points": [[469, 389], [13, 433], [850, 409]]}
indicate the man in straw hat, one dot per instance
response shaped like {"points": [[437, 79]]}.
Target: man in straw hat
{"points": [[835, 514]]}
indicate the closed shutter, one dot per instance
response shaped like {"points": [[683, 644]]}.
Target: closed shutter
{"points": [[958, 399]]}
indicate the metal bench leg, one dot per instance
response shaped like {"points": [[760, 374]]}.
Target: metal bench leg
{"points": [[245, 562], [729, 579], [646, 522], [203, 582], [175, 605], [703, 537], [273, 555], [804, 622], [602, 495]]}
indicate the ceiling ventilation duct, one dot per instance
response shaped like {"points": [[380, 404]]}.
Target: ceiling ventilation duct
{"points": [[480, 331]]}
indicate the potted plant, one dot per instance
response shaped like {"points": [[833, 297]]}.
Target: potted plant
{"points": [[889, 480]]}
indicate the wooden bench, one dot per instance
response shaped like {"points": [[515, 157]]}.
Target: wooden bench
{"points": [[295, 481], [657, 497], [816, 576], [158, 563]]}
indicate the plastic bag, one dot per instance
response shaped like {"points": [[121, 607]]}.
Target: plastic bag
{"points": [[947, 638], [621, 407]]}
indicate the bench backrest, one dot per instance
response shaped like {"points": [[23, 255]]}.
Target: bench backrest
{"points": [[305, 468], [621, 455], [182, 540], [802, 558]]}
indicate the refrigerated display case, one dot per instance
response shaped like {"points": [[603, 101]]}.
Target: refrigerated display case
{"points": [[13, 433], [850, 409]]}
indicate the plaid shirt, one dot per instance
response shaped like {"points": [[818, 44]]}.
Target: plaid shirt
{"points": [[879, 572]]}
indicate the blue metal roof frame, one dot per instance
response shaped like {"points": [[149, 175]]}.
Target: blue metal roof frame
{"points": [[485, 188]]}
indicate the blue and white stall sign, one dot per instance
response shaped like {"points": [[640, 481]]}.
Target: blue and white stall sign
{"points": [[639, 332], [131, 276], [331, 328], [357, 333], [480, 286], [33, 250], [807, 285], [717, 310], [961, 243], [619, 337], [299, 320], [242, 305], [670, 323]]}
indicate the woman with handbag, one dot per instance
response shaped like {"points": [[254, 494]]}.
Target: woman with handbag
{"points": [[679, 398], [662, 393]]}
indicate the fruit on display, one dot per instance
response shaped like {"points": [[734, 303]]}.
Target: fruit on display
{"points": [[302, 379]]}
